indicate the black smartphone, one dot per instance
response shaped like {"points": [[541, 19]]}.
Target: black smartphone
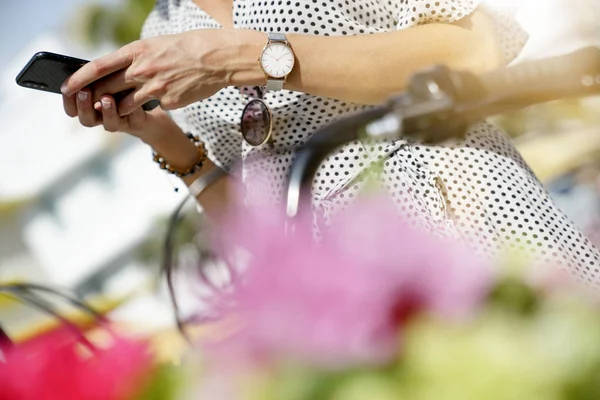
{"points": [[47, 71]]}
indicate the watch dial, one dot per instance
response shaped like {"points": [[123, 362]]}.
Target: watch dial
{"points": [[277, 60]]}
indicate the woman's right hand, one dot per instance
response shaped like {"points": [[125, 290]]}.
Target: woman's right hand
{"points": [[144, 125], [157, 129]]}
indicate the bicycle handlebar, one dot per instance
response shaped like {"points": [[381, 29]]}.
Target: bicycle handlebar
{"points": [[440, 104]]}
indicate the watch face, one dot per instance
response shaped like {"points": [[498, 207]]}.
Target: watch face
{"points": [[277, 60]]}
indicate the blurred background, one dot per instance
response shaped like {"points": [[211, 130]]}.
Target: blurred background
{"points": [[80, 208], [86, 210]]}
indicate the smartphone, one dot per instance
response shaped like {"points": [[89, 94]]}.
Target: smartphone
{"points": [[47, 71]]}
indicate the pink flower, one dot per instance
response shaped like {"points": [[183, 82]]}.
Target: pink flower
{"points": [[344, 299], [52, 368]]}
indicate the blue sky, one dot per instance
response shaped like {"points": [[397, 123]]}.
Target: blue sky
{"points": [[22, 20]]}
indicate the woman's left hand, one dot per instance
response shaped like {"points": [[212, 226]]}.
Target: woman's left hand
{"points": [[176, 69]]}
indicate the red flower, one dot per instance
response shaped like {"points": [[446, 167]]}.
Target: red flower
{"points": [[54, 368]]}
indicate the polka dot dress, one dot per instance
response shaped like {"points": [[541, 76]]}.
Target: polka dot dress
{"points": [[478, 190]]}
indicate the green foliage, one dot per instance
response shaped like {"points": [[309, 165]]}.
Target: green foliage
{"points": [[524, 344], [165, 384], [120, 24], [514, 295], [585, 386], [189, 230], [548, 117]]}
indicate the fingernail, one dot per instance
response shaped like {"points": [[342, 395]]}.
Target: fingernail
{"points": [[63, 89], [106, 104], [82, 95]]}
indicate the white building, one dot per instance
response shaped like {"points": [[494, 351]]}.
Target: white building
{"points": [[82, 199]]}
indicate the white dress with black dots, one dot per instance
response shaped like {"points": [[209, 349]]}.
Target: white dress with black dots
{"points": [[479, 190]]}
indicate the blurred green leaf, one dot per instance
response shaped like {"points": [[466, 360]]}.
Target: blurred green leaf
{"points": [[585, 386], [515, 295], [165, 384], [549, 117], [189, 230], [119, 24]]}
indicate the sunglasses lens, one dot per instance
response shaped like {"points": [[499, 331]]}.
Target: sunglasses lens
{"points": [[256, 123]]}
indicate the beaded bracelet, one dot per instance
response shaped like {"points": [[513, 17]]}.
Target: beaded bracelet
{"points": [[163, 164]]}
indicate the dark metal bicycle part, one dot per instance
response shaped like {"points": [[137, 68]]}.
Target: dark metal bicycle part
{"points": [[33, 300], [5, 342], [26, 292], [169, 263], [440, 104], [339, 132], [74, 301]]}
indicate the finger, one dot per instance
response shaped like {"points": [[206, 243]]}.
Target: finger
{"points": [[70, 105], [99, 68], [110, 117], [85, 110], [110, 85], [132, 102]]}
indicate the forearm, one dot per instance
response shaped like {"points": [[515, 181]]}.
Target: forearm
{"points": [[368, 69], [215, 199], [176, 148]]}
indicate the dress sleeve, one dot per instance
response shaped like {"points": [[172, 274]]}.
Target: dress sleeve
{"points": [[418, 12]]}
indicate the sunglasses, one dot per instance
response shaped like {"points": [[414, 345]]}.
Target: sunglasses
{"points": [[257, 119]]}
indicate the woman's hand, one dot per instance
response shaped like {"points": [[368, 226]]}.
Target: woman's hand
{"points": [[176, 69], [155, 128], [144, 125], [159, 131]]}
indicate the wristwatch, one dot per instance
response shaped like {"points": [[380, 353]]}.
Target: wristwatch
{"points": [[276, 60]]}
